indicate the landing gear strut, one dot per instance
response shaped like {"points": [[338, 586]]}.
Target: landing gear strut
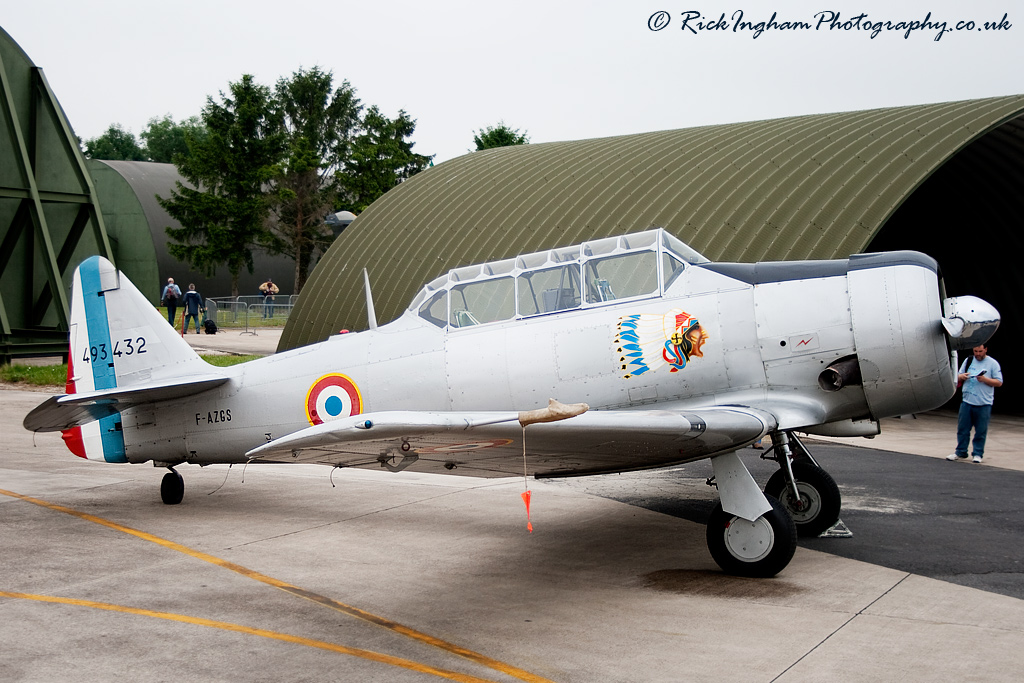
{"points": [[172, 488], [749, 533], [804, 489]]}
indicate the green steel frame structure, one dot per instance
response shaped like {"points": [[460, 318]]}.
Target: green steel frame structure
{"points": [[49, 217]]}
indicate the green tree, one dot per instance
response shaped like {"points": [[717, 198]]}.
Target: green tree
{"points": [[499, 136], [116, 144], [319, 126], [381, 158], [164, 139], [222, 215]]}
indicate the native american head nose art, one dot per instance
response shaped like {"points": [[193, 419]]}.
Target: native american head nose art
{"points": [[646, 342]]}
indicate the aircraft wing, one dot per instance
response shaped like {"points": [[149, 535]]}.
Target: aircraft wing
{"points": [[58, 413], [490, 444]]}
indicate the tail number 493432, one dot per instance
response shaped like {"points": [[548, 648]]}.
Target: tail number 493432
{"points": [[122, 347]]}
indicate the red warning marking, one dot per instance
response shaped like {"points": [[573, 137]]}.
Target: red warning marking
{"points": [[526, 499]]}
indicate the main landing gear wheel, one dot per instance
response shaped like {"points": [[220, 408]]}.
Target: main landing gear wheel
{"points": [[761, 548], [820, 501], [172, 488]]}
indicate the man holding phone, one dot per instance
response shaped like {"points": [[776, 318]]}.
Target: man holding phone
{"points": [[979, 376]]}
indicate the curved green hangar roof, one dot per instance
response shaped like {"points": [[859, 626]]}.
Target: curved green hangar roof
{"points": [[944, 179]]}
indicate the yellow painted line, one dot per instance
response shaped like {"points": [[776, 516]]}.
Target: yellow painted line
{"points": [[484, 660], [263, 633]]}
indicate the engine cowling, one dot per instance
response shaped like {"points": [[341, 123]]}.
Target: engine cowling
{"points": [[905, 361]]}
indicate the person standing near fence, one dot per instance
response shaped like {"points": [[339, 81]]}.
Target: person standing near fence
{"points": [[268, 289], [193, 304], [169, 298]]}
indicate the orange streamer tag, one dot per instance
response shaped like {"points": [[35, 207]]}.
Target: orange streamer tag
{"points": [[526, 499]]}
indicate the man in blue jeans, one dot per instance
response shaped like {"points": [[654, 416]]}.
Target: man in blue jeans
{"points": [[268, 289], [169, 297], [979, 375]]}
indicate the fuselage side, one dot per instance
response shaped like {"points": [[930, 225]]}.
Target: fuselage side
{"points": [[709, 339]]}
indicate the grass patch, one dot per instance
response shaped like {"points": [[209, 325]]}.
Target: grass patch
{"points": [[225, 361], [56, 375], [36, 375]]}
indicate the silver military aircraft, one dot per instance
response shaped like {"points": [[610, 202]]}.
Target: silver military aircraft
{"points": [[663, 356]]}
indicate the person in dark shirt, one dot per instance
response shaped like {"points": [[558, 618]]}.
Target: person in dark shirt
{"points": [[193, 304]]}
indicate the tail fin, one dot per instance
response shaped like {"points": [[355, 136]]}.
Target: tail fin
{"points": [[118, 340], [111, 320]]}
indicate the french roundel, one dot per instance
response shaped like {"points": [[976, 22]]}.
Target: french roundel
{"points": [[332, 397]]}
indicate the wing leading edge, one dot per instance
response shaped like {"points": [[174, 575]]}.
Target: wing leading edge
{"points": [[490, 444]]}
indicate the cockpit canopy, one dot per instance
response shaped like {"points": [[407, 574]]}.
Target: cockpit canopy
{"points": [[636, 266]]}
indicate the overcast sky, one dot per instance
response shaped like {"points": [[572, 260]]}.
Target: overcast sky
{"points": [[556, 70]]}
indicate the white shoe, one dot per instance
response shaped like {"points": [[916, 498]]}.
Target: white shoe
{"points": [[977, 458], [954, 456]]}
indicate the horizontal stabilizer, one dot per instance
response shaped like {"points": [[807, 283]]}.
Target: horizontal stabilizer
{"points": [[72, 410], [121, 353]]}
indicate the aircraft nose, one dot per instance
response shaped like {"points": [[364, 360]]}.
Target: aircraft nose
{"points": [[969, 321]]}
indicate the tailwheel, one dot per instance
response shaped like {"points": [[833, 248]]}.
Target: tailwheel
{"points": [[761, 548], [820, 501], [172, 488]]}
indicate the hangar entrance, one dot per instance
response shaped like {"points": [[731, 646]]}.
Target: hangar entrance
{"points": [[967, 215]]}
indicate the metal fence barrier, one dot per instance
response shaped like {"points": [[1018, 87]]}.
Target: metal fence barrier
{"points": [[249, 313]]}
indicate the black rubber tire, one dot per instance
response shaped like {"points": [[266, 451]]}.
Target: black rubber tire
{"points": [[816, 487], [172, 488], [777, 552]]}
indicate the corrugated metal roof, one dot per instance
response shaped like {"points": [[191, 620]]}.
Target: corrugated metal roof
{"points": [[805, 187]]}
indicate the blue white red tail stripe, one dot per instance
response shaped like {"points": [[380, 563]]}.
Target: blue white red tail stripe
{"points": [[91, 364]]}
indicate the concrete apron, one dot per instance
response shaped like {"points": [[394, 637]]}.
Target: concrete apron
{"points": [[600, 591]]}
